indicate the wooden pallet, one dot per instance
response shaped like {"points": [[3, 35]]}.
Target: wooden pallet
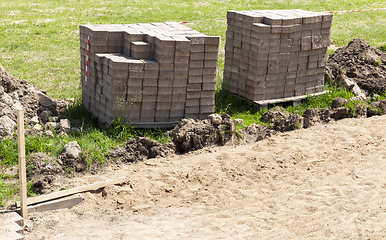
{"points": [[263, 104]]}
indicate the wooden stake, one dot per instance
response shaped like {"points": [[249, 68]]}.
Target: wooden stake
{"points": [[22, 167]]}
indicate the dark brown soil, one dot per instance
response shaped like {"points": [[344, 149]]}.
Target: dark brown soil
{"points": [[361, 63]]}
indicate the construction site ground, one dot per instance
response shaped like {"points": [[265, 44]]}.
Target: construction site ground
{"points": [[324, 182]]}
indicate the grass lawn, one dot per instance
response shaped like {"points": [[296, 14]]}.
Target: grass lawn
{"points": [[39, 42]]}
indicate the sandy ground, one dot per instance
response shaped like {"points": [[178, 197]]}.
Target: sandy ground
{"points": [[325, 182]]}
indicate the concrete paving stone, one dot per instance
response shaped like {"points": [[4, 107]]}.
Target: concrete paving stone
{"points": [[140, 46], [166, 75], [166, 66], [165, 51], [149, 90], [137, 74], [206, 109], [192, 115], [164, 98], [279, 82], [208, 86], [192, 109], [211, 56], [96, 42], [195, 79], [181, 67], [149, 98], [209, 78], [180, 75], [207, 101], [196, 64], [190, 95], [163, 59], [177, 113], [181, 59], [305, 33], [210, 70], [246, 38], [180, 83], [179, 90], [150, 74], [112, 42], [211, 48], [239, 25], [197, 56], [192, 102], [164, 84], [246, 46], [193, 87], [316, 32], [135, 64], [196, 40], [177, 105], [134, 82], [197, 48], [162, 106], [115, 49], [165, 42], [179, 97], [182, 52], [312, 65], [115, 88], [182, 42]]}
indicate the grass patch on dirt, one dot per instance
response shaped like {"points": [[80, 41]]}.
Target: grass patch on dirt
{"points": [[39, 42]]}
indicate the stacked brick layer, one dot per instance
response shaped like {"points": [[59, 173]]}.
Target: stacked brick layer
{"points": [[148, 73], [271, 54]]}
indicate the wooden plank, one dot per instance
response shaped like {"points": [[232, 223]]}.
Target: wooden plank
{"points": [[288, 99], [55, 204], [72, 191], [263, 104], [22, 167]]}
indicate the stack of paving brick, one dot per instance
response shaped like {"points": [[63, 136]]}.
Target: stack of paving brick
{"points": [[148, 73], [276, 54]]}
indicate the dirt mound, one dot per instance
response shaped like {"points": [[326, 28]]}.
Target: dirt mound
{"points": [[361, 63], [19, 94]]}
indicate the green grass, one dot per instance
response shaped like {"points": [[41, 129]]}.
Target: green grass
{"points": [[39, 42]]}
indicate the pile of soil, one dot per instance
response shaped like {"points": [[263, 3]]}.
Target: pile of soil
{"points": [[190, 135], [16, 94], [361, 63]]}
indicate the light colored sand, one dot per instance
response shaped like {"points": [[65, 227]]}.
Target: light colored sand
{"points": [[325, 182]]}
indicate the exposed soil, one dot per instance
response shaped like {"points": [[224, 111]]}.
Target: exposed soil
{"points": [[323, 182], [362, 63], [19, 94]]}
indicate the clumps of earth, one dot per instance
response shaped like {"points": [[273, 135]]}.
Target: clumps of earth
{"points": [[357, 67], [41, 113], [190, 135]]}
